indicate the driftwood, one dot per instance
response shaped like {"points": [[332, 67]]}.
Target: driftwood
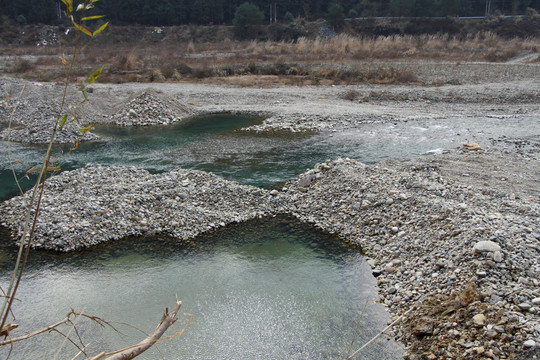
{"points": [[129, 352], [132, 351]]}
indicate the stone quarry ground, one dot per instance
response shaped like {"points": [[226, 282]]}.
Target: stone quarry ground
{"points": [[418, 221]]}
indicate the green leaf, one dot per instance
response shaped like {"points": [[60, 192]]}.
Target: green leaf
{"points": [[86, 18], [54, 168], [86, 129], [84, 30], [83, 90], [101, 28], [63, 122], [76, 118], [69, 5], [95, 75]]}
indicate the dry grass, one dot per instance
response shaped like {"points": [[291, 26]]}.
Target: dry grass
{"points": [[305, 61]]}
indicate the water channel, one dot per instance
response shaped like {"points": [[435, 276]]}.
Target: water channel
{"points": [[267, 289]]}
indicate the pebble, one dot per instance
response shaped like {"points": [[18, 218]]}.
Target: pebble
{"points": [[479, 319], [486, 246], [440, 221]]}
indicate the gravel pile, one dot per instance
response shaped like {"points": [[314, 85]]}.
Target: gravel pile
{"points": [[149, 108], [94, 204], [460, 260], [319, 123], [34, 124]]}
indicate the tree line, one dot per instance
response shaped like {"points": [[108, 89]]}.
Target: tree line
{"points": [[207, 12]]}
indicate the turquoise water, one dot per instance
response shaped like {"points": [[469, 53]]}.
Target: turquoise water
{"points": [[214, 143], [270, 289], [266, 289]]}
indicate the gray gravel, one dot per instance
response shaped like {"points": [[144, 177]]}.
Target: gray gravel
{"points": [[431, 238], [482, 90], [94, 204], [452, 239]]}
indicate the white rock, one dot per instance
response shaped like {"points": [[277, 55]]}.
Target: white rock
{"points": [[529, 344], [479, 319], [486, 245]]}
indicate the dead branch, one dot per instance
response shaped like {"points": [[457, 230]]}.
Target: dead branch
{"points": [[24, 337], [132, 351], [52, 327], [7, 328]]}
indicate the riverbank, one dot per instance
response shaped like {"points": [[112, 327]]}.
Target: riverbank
{"points": [[452, 254], [451, 238], [445, 91], [456, 254]]}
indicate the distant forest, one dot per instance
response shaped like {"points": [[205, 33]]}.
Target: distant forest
{"points": [[206, 12]]}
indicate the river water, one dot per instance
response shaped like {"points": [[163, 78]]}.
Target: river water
{"points": [[213, 143], [267, 289]]}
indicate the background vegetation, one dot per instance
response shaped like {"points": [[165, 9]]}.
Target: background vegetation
{"points": [[206, 12], [298, 52]]}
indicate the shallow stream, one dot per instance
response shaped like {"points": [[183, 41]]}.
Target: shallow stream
{"points": [[214, 143], [267, 289]]}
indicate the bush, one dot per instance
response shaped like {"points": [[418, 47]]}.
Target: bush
{"points": [[21, 20], [350, 95], [336, 16], [288, 18], [23, 66], [247, 14], [352, 14]]}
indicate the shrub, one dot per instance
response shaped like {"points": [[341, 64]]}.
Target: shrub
{"points": [[247, 14], [288, 18], [23, 66], [202, 73], [350, 95], [336, 15], [21, 20], [157, 75]]}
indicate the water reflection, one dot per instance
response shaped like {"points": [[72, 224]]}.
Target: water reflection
{"points": [[271, 288]]}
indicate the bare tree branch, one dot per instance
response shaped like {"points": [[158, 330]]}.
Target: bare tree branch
{"points": [[132, 351], [24, 337]]}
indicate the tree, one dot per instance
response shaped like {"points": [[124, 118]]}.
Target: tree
{"points": [[248, 14], [336, 16], [289, 18]]}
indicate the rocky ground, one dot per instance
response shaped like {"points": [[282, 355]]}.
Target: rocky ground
{"points": [[452, 238], [459, 255]]}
